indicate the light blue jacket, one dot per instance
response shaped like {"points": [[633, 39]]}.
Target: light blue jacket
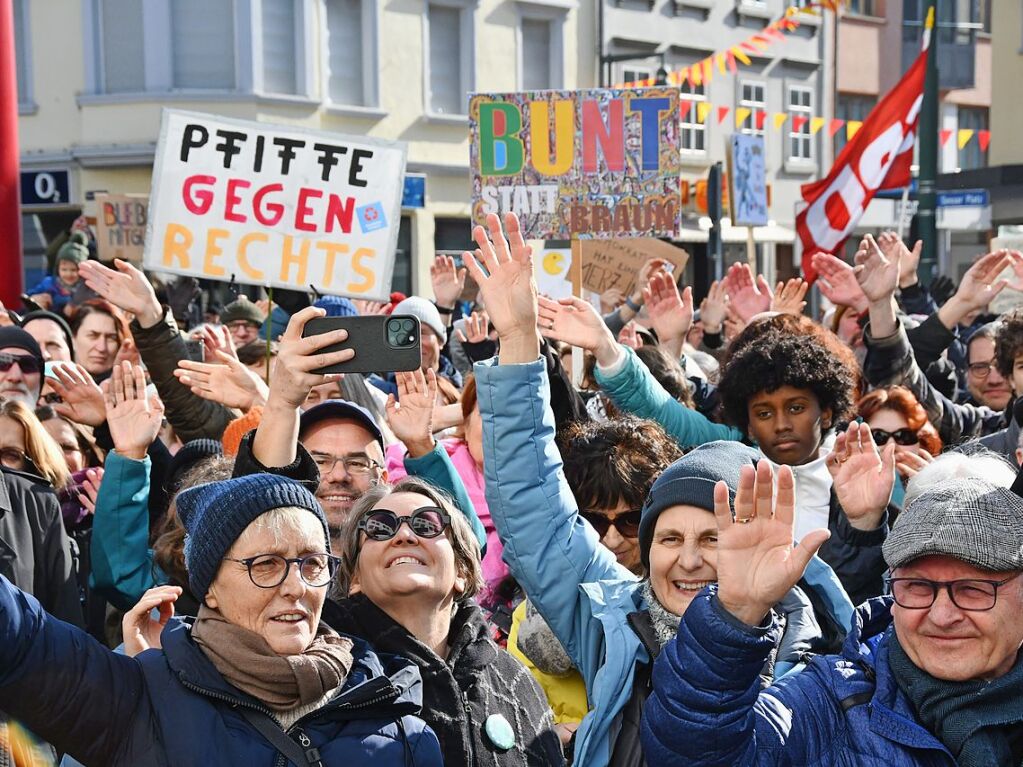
{"points": [[634, 390], [574, 581]]}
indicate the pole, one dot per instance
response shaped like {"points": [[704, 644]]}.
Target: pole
{"points": [[576, 276], [926, 213], [714, 250], [11, 264]]}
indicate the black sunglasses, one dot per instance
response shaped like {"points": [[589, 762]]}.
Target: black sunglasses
{"points": [[626, 522], [28, 365], [901, 437], [426, 522]]}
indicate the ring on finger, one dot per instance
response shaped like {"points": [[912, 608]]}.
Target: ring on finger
{"points": [[743, 520]]}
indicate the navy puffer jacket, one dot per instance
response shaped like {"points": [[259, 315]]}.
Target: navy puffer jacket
{"points": [[172, 707], [708, 709]]}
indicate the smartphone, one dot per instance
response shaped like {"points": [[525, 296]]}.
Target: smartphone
{"points": [[382, 344], [196, 350]]}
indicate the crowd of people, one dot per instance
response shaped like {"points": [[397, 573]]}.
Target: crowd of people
{"points": [[739, 535]]}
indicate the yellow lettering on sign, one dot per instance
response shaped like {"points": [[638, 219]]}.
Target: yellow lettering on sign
{"points": [[289, 258], [332, 250], [369, 278], [243, 255], [177, 240], [213, 249]]}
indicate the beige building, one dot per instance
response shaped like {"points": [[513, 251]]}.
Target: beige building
{"points": [[1007, 84], [93, 76]]}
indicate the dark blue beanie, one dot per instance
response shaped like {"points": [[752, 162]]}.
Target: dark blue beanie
{"points": [[216, 513], [337, 306], [690, 481]]}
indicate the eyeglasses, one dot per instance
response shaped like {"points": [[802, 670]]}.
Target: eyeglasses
{"points": [[972, 594], [27, 364], [242, 325], [901, 437], [426, 522], [981, 369], [626, 522], [13, 458], [356, 465], [270, 570]]}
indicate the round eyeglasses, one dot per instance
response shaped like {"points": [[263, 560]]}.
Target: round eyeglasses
{"points": [[271, 570], [426, 522]]}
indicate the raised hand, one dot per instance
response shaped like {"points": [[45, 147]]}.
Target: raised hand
{"points": [[862, 477], [90, 489], [82, 400], [448, 281], [837, 282], [228, 382], [629, 336], [757, 563], [216, 339], [127, 352], [477, 329], [297, 358], [909, 462], [126, 288], [411, 417], [746, 296], [140, 631], [133, 419], [788, 296], [895, 249], [877, 276], [507, 286], [981, 282], [714, 308], [611, 299], [576, 322], [370, 308], [671, 312], [650, 267]]}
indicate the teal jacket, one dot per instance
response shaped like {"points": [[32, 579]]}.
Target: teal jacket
{"points": [[634, 390], [574, 581]]}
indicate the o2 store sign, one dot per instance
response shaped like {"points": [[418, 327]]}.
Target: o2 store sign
{"points": [[45, 187]]}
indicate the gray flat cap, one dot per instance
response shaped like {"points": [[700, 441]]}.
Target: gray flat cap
{"points": [[968, 519]]}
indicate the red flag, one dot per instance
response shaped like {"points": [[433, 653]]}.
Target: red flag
{"points": [[722, 114], [798, 121], [835, 126], [761, 116], [944, 136], [685, 106], [878, 157], [984, 139]]}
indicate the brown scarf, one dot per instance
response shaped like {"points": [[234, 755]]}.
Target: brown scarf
{"points": [[282, 682]]}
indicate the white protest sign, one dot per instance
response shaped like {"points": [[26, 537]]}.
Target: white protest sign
{"points": [[273, 205]]}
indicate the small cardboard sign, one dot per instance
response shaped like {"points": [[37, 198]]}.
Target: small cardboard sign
{"points": [[121, 226], [274, 205], [748, 185], [614, 263]]}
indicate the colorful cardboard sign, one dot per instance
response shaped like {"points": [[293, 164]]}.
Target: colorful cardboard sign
{"points": [[601, 163], [273, 205], [121, 226], [748, 189], [611, 264]]}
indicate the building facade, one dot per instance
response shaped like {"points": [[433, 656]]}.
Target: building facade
{"points": [[94, 75]]}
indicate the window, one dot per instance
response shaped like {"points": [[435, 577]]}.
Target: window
{"points": [[346, 59], [21, 57], [798, 3], [119, 29], [280, 72], [537, 54], [751, 96], [694, 133], [801, 106], [863, 7], [971, 156], [635, 74], [850, 108], [450, 58], [202, 44]]}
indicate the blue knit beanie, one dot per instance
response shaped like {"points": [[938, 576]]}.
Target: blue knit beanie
{"points": [[336, 306], [216, 513], [690, 481]]}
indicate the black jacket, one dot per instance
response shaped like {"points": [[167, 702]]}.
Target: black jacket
{"points": [[476, 681], [35, 553], [855, 555]]}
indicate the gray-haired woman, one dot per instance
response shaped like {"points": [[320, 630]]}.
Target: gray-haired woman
{"points": [[411, 565]]}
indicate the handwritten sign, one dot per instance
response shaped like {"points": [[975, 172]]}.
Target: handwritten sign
{"points": [[275, 205], [614, 263], [121, 226], [748, 188], [597, 163]]}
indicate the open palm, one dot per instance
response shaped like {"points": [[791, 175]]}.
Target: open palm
{"points": [[862, 477], [837, 282], [81, 399], [573, 321], [757, 563], [229, 383], [671, 312], [411, 416], [134, 420]]}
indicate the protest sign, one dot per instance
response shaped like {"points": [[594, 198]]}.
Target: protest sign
{"points": [[596, 164], [273, 205], [614, 263], [748, 189], [121, 226], [552, 267]]}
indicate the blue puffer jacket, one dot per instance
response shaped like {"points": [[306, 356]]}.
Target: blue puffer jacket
{"points": [[172, 707], [708, 709], [575, 582]]}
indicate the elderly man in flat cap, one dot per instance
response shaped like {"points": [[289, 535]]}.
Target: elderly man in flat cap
{"points": [[930, 675]]}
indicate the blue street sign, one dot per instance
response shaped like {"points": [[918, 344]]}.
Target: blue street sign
{"points": [[45, 187], [964, 198], [414, 193]]}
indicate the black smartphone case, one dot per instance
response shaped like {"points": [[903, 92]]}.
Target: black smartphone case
{"points": [[374, 353]]}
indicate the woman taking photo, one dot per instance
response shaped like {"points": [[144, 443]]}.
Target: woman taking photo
{"points": [[256, 675]]}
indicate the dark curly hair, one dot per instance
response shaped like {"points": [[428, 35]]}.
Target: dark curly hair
{"points": [[1009, 341], [615, 461], [777, 357]]}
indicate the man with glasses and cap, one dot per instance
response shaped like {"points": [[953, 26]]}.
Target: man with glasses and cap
{"points": [[21, 366], [930, 675]]}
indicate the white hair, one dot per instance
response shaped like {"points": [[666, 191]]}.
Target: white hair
{"points": [[978, 463], [284, 524]]}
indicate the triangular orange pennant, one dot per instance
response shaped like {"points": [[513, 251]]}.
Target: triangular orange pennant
{"points": [[708, 69], [737, 51], [741, 115], [696, 75], [702, 109], [761, 116], [983, 139], [685, 107], [722, 114], [835, 126], [798, 121], [815, 125], [779, 119], [964, 137], [944, 136], [720, 59], [731, 62], [852, 127]]}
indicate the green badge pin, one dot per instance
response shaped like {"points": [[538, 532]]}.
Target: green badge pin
{"points": [[499, 732]]}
